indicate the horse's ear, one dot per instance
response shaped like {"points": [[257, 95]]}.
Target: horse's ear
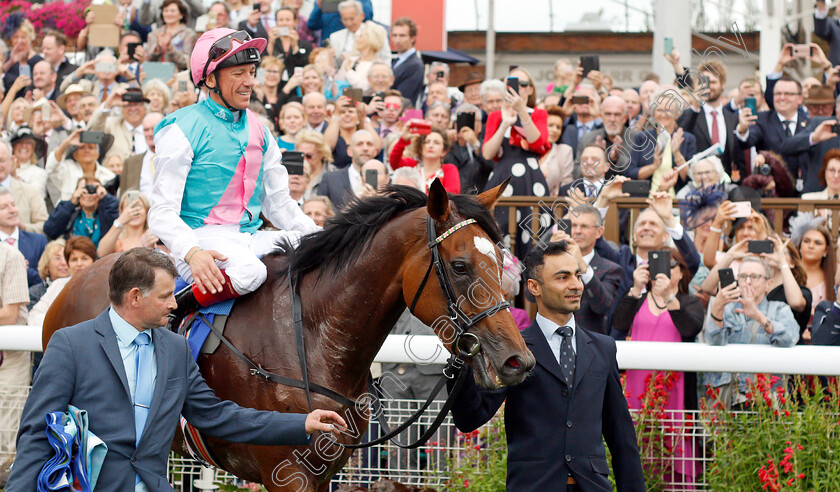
{"points": [[490, 197], [438, 205]]}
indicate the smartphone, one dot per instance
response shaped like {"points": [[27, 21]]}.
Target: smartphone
{"points": [[182, 85], [257, 6], [589, 63], [465, 119], [90, 189], [105, 67], [299, 71], [742, 210], [353, 93], [283, 31], [420, 127], [835, 128], [580, 99], [131, 196], [801, 50], [24, 70], [131, 48], [92, 137], [412, 114], [669, 46], [565, 225], [261, 76], [750, 102], [758, 247], [372, 178], [636, 187], [513, 82], [293, 162], [441, 75], [660, 262], [726, 276], [45, 112]]}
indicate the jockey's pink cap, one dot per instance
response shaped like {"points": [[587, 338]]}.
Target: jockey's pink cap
{"points": [[201, 50]]}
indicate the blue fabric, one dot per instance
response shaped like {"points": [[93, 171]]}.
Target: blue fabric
{"points": [[199, 331], [143, 388], [87, 227], [79, 454]]}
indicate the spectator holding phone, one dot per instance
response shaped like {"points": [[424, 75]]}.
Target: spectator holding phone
{"points": [[173, 41], [347, 119], [465, 152], [742, 313], [14, 111], [370, 38], [284, 41], [18, 33], [90, 212], [126, 128], [430, 148], [74, 159], [130, 229]]}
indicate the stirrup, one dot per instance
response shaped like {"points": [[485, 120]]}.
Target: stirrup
{"points": [[187, 304]]}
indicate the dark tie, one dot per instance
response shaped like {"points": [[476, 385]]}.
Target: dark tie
{"points": [[567, 355], [715, 133], [787, 127]]}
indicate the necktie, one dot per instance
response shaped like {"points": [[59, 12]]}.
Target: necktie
{"points": [[104, 93], [143, 383], [265, 23], [10, 240], [787, 128], [567, 355], [715, 134]]}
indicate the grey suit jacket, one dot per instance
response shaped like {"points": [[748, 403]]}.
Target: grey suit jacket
{"points": [[336, 186], [82, 366], [130, 177], [32, 209]]}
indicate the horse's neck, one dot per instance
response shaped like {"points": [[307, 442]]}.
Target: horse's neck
{"points": [[356, 308]]}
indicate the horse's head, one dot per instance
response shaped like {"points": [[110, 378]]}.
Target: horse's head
{"points": [[459, 271]]}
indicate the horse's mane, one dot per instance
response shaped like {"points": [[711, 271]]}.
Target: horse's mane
{"points": [[346, 235]]}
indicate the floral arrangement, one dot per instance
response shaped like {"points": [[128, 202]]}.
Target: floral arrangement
{"points": [[68, 18], [479, 461], [788, 439]]}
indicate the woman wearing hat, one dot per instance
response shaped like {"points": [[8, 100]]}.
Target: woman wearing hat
{"points": [[69, 100], [28, 149], [18, 33], [72, 160], [472, 88]]}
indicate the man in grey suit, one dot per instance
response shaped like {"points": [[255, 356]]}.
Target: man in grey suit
{"points": [[94, 366]]}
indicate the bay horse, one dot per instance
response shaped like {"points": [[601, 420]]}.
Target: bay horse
{"points": [[356, 277]]}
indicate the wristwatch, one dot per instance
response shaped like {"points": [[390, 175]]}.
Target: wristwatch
{"points": [[671, 299], [767, 324], [117, 224]]}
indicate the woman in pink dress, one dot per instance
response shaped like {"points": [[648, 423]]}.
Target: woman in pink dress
{"points": [[662, 310]]}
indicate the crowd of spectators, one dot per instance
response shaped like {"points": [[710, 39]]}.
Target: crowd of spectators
{"points": [[356, 99]]}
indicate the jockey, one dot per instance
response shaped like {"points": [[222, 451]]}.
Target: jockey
{"points": [[217, 168]]}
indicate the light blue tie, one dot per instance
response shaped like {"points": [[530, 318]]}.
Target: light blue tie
{"points": [[142, 385]]}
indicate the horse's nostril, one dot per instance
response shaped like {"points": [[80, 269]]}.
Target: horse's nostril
{"points": [[513, 362]]}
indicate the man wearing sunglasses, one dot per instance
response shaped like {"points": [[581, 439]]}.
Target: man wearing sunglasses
{"points": [[217, 170]]}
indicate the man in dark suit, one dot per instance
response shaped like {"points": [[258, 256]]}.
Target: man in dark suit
{"points": [[30, 244], [584, 120], [342, 185], [138, 170], [259, 22], [134, 381], [601, 277], [53, 46], [715, 122], [407, 65], [556, 418], [829, 30], [653, 228], [769, 129]]}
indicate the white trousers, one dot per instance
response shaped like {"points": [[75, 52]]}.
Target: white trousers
{"points": [[243, 266]]}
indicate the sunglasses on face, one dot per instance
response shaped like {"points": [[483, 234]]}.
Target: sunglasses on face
{"points": [[524, 83], [392, 106]]}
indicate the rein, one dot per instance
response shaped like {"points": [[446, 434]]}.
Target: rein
{"points": [[454, 366]]}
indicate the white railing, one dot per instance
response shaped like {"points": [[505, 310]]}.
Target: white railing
{"points": [[426, 349]]}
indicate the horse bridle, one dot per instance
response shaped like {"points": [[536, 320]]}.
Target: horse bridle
{"points": [[462, 321]]}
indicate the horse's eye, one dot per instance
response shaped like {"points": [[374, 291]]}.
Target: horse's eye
{"points": [[459, 267]]}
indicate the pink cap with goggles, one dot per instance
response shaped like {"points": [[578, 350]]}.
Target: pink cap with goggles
{"points": [[223, 47]]}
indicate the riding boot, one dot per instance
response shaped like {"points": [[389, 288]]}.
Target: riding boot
{"points": [[187, 303]]}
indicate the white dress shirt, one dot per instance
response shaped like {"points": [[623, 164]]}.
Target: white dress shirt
{"points": [[721, 123], [356, 183], [14, 235], [587, 277], [139, 139], [549, 329], [147, 173]]}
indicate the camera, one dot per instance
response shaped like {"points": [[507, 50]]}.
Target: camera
{"points": [[765, 169], [90, 189]]}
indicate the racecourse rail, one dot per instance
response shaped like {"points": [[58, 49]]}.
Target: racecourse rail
{"points": [[695, 357]]}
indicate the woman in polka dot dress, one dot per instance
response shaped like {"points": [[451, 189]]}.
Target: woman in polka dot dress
{"points": [[516, 138]]}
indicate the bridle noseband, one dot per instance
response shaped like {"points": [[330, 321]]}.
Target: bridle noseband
{"points": [[463, 321]]}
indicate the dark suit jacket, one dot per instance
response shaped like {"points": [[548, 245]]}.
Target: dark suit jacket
{"points": [[130, 177], [800, 145], [64, 69], [598, 295], [335, 185], [554, 431], [826, 328], [260, 32], [829, 30], [408, 78], [643, 152], [31, 245], [82, 366], [694, 122], [292, 60], [768, 133]]}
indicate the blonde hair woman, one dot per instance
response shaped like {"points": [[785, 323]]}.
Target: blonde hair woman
{"points": [[130, 229], [157, 92], [369, 40], [317, 153], [291, 121]]}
